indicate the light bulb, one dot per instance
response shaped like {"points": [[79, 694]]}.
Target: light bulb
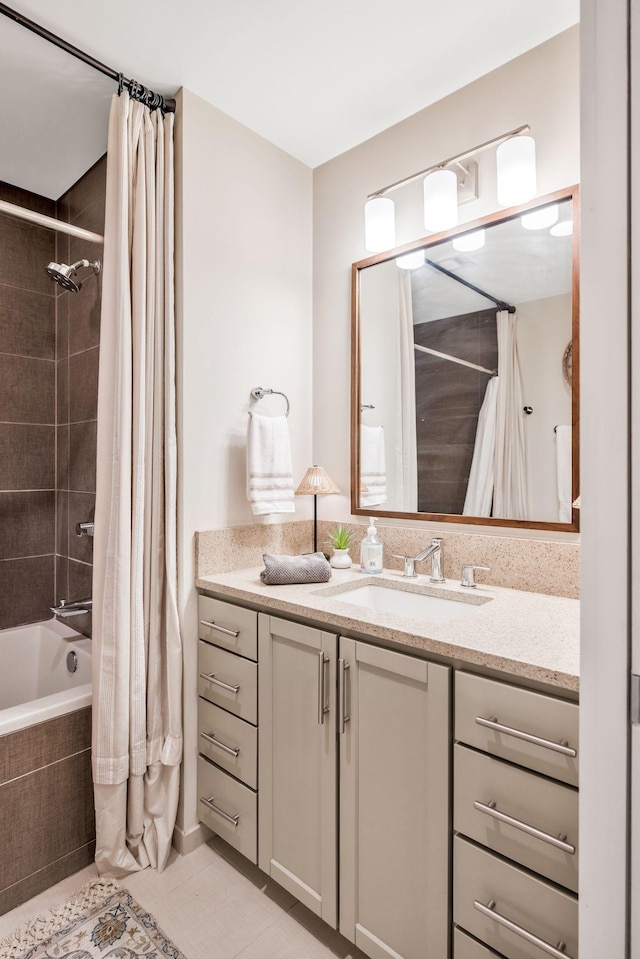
{"points": [[379, 224], [540, 219], [440, 200], [411, 261], [516, 170], [469, 242]]}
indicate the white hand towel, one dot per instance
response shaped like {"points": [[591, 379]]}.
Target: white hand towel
{"points": [[373, 473], [563, 462], [269, 470]]}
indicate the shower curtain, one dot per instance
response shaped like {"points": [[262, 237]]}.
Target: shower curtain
{"points": [[510, 499], [406, 429], [137, 656]]}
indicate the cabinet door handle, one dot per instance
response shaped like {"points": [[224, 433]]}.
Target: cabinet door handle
{"points": [[493, 723], [323, 709], [343, 716], [232, 750], [489, 911], [489, 809], [209, 803], [221, 629], [211, 678]]}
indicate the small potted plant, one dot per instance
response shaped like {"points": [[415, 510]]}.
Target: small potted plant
{"points": [[340, 538]]}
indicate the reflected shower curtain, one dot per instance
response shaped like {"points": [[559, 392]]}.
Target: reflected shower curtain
{"points": [[406, 428], [481, 476], [137, 656], [510, 499]]}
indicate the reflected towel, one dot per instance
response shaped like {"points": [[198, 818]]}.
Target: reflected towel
{"points": [[269, 471], [563, 464], [373, 474]]}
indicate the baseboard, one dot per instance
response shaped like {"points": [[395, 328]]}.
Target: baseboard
{"points": [[186, 842]]}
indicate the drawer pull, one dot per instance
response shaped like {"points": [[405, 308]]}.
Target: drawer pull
{"points": [[209, 803], [221, 629], [489, 911], [489, 809], [232, 750], [343, 716], [211, 678], [527, 737], [323, 709]]}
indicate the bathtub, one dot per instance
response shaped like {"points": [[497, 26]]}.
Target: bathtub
{"points": [[35, 683]]}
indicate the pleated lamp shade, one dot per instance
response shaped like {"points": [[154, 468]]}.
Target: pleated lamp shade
{"points": [[316, 481]]}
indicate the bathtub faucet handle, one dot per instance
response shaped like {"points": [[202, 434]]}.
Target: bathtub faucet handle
{"points": [[84, 529]]}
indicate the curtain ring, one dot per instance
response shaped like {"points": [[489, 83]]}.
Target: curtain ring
{"points": [[120, 84]]}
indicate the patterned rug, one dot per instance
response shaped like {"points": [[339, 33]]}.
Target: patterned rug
{"points": [[101, 922]]}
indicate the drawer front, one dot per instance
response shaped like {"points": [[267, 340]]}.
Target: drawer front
{"points": [[524, 716], [228, 626], [230, 810], [229, 742], [464, 947], [232, 681], [549, 807], [523, 905]]}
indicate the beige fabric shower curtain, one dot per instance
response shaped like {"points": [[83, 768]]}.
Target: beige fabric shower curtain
{"points": [[510, 497], [137, 656]]}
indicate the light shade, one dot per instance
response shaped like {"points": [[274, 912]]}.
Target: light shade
{"points": [[316, 481], [564, 228], [440, 200], [516, 162], [540, 219], [469, 242], [379, 224], [411, 261]]}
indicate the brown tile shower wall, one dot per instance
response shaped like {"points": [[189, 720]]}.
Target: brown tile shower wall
{"points": [[27, 414], [77, 342]]}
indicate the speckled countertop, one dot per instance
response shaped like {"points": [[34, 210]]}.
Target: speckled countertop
{"points": [[527, 635]]}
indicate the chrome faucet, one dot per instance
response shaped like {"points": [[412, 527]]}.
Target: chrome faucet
{"points": [[65, 609], [436, 551]]}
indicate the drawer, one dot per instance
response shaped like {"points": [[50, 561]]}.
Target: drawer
{"points": [[550, 807], [232, 681], [230, 810], [231, 735], [464, 947], [522, 906], [531, 729], [228, 626]]}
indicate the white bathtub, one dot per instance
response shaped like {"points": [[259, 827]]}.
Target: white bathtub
{"points": [[35, 684]]}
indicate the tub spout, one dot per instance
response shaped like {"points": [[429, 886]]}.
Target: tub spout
{"points": [[65, 609]]}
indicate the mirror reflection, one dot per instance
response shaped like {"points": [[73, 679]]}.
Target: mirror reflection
{"points": [[466, 388]]}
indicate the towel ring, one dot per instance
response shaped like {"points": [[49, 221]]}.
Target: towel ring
{"points": [[258, 392]]}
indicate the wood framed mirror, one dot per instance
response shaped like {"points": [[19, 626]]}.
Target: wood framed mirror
{"points": [[465, 372]]}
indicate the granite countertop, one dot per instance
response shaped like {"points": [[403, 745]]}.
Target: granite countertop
{"points": [[526, 635]]}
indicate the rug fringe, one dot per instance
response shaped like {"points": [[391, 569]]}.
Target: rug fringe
{"points": [[91, 896]]}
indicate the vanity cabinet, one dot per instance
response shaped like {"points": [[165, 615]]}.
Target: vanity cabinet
{"points": [[385, 726]]}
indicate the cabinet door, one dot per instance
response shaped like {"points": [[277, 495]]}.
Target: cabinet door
{"points": [[298, 762], [394, 802]]}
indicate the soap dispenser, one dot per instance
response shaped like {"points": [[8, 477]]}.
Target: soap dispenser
{"points": [[371, 551]]}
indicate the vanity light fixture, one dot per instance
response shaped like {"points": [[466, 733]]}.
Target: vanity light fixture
{"points": [[469, 242], [540, 219], [454, 181], [315, 482], [411, 261]]}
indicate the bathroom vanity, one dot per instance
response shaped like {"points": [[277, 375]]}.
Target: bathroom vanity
{"points": [[412, 781]]}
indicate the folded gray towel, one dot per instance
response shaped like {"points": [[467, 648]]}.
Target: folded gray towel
{"points": [[286, 570]]}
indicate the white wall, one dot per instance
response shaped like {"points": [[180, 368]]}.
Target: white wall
{"points": [[244, 270], [540, 88]]}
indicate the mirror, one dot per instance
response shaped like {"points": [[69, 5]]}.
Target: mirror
{"points": [[465, 372]]}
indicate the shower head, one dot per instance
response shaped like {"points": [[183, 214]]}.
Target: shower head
{"points": [[65, 276]]}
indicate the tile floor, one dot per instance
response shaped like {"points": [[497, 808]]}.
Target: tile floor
{"points": [[213, 904]]}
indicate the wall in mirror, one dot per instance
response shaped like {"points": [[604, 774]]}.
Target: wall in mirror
{"points": [[465, 393]]}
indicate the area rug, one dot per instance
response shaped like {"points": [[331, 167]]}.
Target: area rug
{"points": [[103, 921]]}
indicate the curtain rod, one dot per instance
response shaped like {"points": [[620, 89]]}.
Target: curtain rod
{"points": [[476, 289], [49, 222], [454, 359], [136, 90]]}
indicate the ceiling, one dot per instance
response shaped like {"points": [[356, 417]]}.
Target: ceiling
{"points": [[314, 78]]}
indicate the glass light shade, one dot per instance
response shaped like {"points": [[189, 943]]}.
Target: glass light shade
{"points": [[379, 224], [440, 200], [540, 219], [565, 228], [516, 170], [411, 261], [469, 242]]}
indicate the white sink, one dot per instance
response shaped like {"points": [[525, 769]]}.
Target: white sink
{"points": [[433, 609]]}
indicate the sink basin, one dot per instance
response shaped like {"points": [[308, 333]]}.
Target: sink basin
{"points": [[386, 599]]}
